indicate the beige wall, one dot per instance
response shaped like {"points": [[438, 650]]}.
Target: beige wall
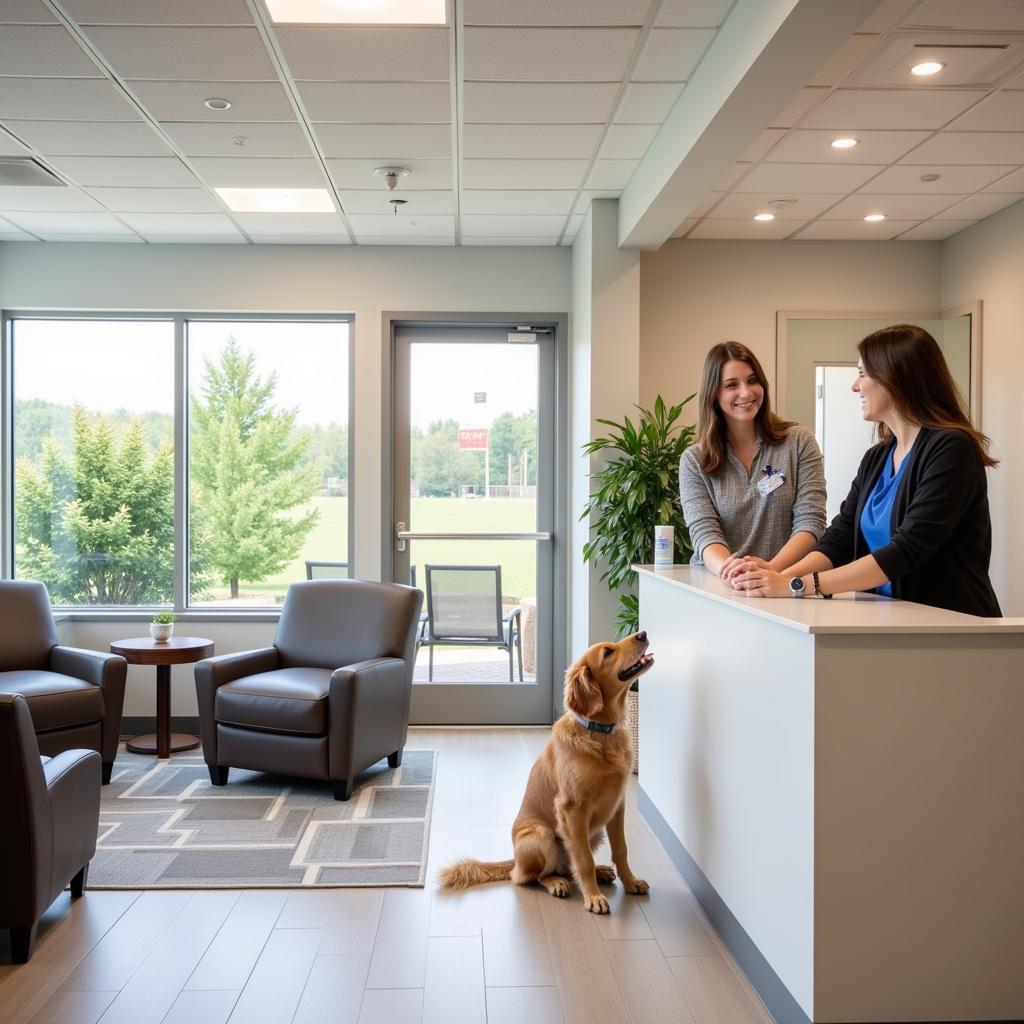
{"points": [[987, 262]]}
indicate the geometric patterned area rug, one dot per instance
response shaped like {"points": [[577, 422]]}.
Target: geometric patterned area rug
{"points": [[164, 826]]}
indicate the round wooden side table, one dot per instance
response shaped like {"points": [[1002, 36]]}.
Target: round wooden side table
{"points": [[179, 650]]}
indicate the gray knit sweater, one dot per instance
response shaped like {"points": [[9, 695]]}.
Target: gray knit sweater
{"points": [[728, 508]]}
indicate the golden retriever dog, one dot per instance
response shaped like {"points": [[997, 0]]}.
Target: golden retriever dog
{"points": [[576, 788]]}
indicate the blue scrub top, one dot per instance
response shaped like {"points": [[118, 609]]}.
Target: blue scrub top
{"points": [[876, 517]]}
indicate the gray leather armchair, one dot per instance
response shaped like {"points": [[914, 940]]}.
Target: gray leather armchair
{"points": [[75, 696], [330, 698], [50, 808]]}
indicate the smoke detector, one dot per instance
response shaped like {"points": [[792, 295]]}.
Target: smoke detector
{"points": [[391, 175]]}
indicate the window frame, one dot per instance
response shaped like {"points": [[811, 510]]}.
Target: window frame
{"points": [[179, 320]]}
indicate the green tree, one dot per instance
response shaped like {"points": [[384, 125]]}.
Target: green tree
{"points": [[513, 435], [97, 525], [328, 450], [439, 467], [249, 475]]}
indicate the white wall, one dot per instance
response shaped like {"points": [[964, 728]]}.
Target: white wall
{"points": [[364, 280], [987, 262]]}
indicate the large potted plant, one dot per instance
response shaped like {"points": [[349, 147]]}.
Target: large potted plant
{"points": [[636, 490]]}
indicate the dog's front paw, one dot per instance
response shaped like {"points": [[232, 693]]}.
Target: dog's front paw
{"points": [[596, 904], [605, 873], [637, 887]]}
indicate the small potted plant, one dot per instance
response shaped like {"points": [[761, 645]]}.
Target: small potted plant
{"points": [[162, 626]]}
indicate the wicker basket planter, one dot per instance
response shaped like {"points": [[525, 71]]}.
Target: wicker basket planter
{"points": [[632, 717]]}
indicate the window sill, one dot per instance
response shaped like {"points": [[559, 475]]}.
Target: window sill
{"points": [[213, 615]]}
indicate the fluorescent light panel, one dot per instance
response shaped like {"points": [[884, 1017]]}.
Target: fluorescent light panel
{"points": [[277, 200], [358, 12]]}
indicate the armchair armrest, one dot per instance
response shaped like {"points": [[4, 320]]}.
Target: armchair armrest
{"points": [[369, 713], [108, 672], [73, 791]]}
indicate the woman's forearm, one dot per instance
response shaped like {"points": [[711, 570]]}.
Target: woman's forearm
{"points": [[864, 574], [796, 548], [714, 556]]}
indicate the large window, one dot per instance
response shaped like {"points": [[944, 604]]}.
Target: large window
{"points": [[99, 488]]}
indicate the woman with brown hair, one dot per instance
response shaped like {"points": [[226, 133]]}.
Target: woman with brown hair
{"points": [[916, 522], [752, 485]]}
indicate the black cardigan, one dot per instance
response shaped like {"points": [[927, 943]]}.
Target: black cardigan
{"points": [[941, 540]]}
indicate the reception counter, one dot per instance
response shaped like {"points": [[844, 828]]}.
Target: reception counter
{"points": [[841, 783]]}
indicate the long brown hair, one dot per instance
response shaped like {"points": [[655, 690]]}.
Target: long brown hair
{"points": [[711, 430], [907, 361]]}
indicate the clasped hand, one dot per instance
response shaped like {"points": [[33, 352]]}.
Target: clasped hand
{"points": [[752, 576]]}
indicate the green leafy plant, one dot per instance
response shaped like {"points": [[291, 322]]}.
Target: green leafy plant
{"points": [[636, 490], [162, 618]]}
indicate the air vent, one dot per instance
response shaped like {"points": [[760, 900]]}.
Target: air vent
{"points": [[21, 171]]}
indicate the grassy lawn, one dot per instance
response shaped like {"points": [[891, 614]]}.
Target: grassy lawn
{"points": [[329, 542]]}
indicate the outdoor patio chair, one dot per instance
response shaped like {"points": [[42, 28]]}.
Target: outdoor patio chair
{"points": [[327, 570], [464, 610]]}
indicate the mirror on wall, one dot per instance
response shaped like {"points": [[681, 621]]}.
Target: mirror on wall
{"points": [[817, 362]]}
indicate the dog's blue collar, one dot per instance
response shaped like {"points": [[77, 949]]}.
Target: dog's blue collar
{"points": [[593, 726]]}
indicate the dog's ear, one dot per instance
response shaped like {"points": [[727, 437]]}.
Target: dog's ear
{"points": [[582, 694]]}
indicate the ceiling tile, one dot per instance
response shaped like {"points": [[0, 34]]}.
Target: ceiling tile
{"points": [[260, 140], [975, 15], [538, 102], [802, 146], [692, 13], [935, 230], [980, 206], [954, 180], [300, 239], [797, 107], [886, 15], [184, 224], [545, 141], [895, 207], [10, 147], [445, 240], [854, 230], [365, 54], [68, 223], [156, 200], [612, 174], [47, 50], [9, 234], [1010, 183], [378, 202], [795, 179], [549, 54], [183, 101], [358, 174], [64, 99], [914, 109], [746, 228], [259, 172], [708, 202], [291, 223], [671, 54], [148, 171], [526, 240], [970, 148], [377, 102], [391, 227], [206, 54], [511, 226], [731, 177], [235, 239], [766, 140], [743, 206], [628, 141], [390, 143], [90, 138], [1002, 111], [648, 102], [685, 228], [843, 63], [513, 201], [517, 174], [113, 238], [159, 12], [564, 12], [25, 11], [43, 198]]}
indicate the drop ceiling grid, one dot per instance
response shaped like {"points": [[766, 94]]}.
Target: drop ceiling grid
{"points": [[899, 141]]}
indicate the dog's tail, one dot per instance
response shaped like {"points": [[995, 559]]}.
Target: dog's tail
{"points": [[464, 873]]}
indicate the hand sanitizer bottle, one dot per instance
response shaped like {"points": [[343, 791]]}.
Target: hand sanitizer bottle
{"points": [[664, 547]]}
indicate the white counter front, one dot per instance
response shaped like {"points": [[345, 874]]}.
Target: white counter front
{"points": [[842, 784]]}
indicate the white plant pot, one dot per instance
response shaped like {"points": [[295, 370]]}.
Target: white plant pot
{"points": [[161, 631]]}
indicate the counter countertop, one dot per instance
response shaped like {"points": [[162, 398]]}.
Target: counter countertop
{"points": [[845, 613]]}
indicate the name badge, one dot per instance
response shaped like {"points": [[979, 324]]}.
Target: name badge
{"points": [[770, 479]]}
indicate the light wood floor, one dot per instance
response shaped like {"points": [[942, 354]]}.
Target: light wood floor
{"points": [[498, 953]]}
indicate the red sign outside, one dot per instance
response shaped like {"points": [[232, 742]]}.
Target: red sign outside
{"points": [[471, 440]]}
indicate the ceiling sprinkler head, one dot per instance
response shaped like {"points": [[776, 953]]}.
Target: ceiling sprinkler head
{"points": [[391, 175], [781, 204], [931, 177], [396, 203]]}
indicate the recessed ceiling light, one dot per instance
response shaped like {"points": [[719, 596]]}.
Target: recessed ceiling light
{"points": [[217, 103], [926, 68], [872, 217], [277, 200], [359, 12], [764, 216], [844, 143]]}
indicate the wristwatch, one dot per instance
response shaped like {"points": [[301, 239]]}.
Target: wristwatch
{"points": [[796, 586]]}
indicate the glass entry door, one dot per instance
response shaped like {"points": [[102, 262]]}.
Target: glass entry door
{"points": [[473, 516]]}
